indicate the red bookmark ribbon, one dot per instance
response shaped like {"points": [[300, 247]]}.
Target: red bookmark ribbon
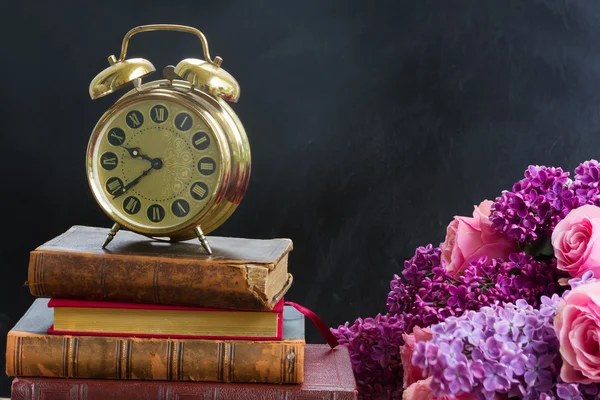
{"points": [[318, 322]]}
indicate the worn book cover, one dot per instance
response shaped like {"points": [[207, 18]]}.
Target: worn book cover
{"points": [[241, 273], [327, 375], [31, 351]]}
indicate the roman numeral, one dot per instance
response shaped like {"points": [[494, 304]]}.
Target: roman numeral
{"points": [[180, 208], [199, 190], [155, 213], [182, 124], [109, 160], [200, 141], [206, 165], [116, 136], [134, 120], [131, 204], [159, 114], [113, 186]]}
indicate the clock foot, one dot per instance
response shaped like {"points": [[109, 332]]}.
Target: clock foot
{"points": [[111, 234], [202, 239]]}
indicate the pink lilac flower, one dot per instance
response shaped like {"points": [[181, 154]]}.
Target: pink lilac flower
{"points": [[535, 205]]}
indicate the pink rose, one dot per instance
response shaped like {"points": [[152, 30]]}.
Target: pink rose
{"points": [[412, 373], [575, 241], [470, 238], [420, 390], [577, 325]]}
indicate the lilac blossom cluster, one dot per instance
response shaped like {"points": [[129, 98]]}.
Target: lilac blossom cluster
{"points": [[492, 323], [426, 294], [509, 348], [535, 205], [373, 344], [587, 182], [543, 198]]}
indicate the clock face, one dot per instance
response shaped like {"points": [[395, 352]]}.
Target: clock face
{"points": [[156, 164]]}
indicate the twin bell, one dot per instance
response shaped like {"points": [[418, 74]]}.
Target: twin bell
{"points": [[206, 75]]}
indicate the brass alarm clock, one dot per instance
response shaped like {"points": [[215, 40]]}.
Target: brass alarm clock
{"points": [[169, 159]]}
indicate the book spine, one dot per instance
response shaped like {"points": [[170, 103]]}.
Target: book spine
{"points": [[36, 355], [39, 388], [144, 279]]}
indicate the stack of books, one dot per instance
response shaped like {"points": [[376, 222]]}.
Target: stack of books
{"points": [[115, 320]]}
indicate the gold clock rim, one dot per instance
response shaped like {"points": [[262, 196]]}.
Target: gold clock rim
{"points": [[240, 172], [233, 147]]}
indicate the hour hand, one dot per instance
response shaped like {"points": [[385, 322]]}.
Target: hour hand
{"points": [[134, 152]]}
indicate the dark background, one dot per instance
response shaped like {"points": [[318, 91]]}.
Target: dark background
{"points": [[371, 123]]}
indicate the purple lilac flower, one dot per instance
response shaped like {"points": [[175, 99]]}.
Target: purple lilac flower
{"points": [[568, 392], [429, 295], [425, 295], [587, 277], [538, 371], [522, 363], [535, 205], [459, 378], [496, 378], [373, 345], [586, 184]]}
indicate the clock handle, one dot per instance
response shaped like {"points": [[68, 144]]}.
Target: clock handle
{"points": [[169, 27]]}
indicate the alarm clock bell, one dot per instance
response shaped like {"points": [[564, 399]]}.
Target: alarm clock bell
{"points": [[206, 75]]}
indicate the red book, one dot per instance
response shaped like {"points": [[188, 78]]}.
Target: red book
{"points": [[327, 375], [96, 318]]}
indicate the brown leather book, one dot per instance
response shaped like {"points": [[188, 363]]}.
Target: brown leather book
{"points": [[31, 351], [327, 375], [245, 274]]}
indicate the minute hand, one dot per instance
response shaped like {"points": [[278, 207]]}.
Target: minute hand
{"points": [[133, 183]]}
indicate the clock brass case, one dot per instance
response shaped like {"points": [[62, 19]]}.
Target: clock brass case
{"points": [[201, 85], [231, 140]]}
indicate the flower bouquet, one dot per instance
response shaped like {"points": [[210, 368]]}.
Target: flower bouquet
{"points": [[507, 306]]}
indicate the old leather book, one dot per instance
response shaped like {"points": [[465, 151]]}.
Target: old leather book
{"points": [[31, 351], [249, 274], [327, 375]]}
